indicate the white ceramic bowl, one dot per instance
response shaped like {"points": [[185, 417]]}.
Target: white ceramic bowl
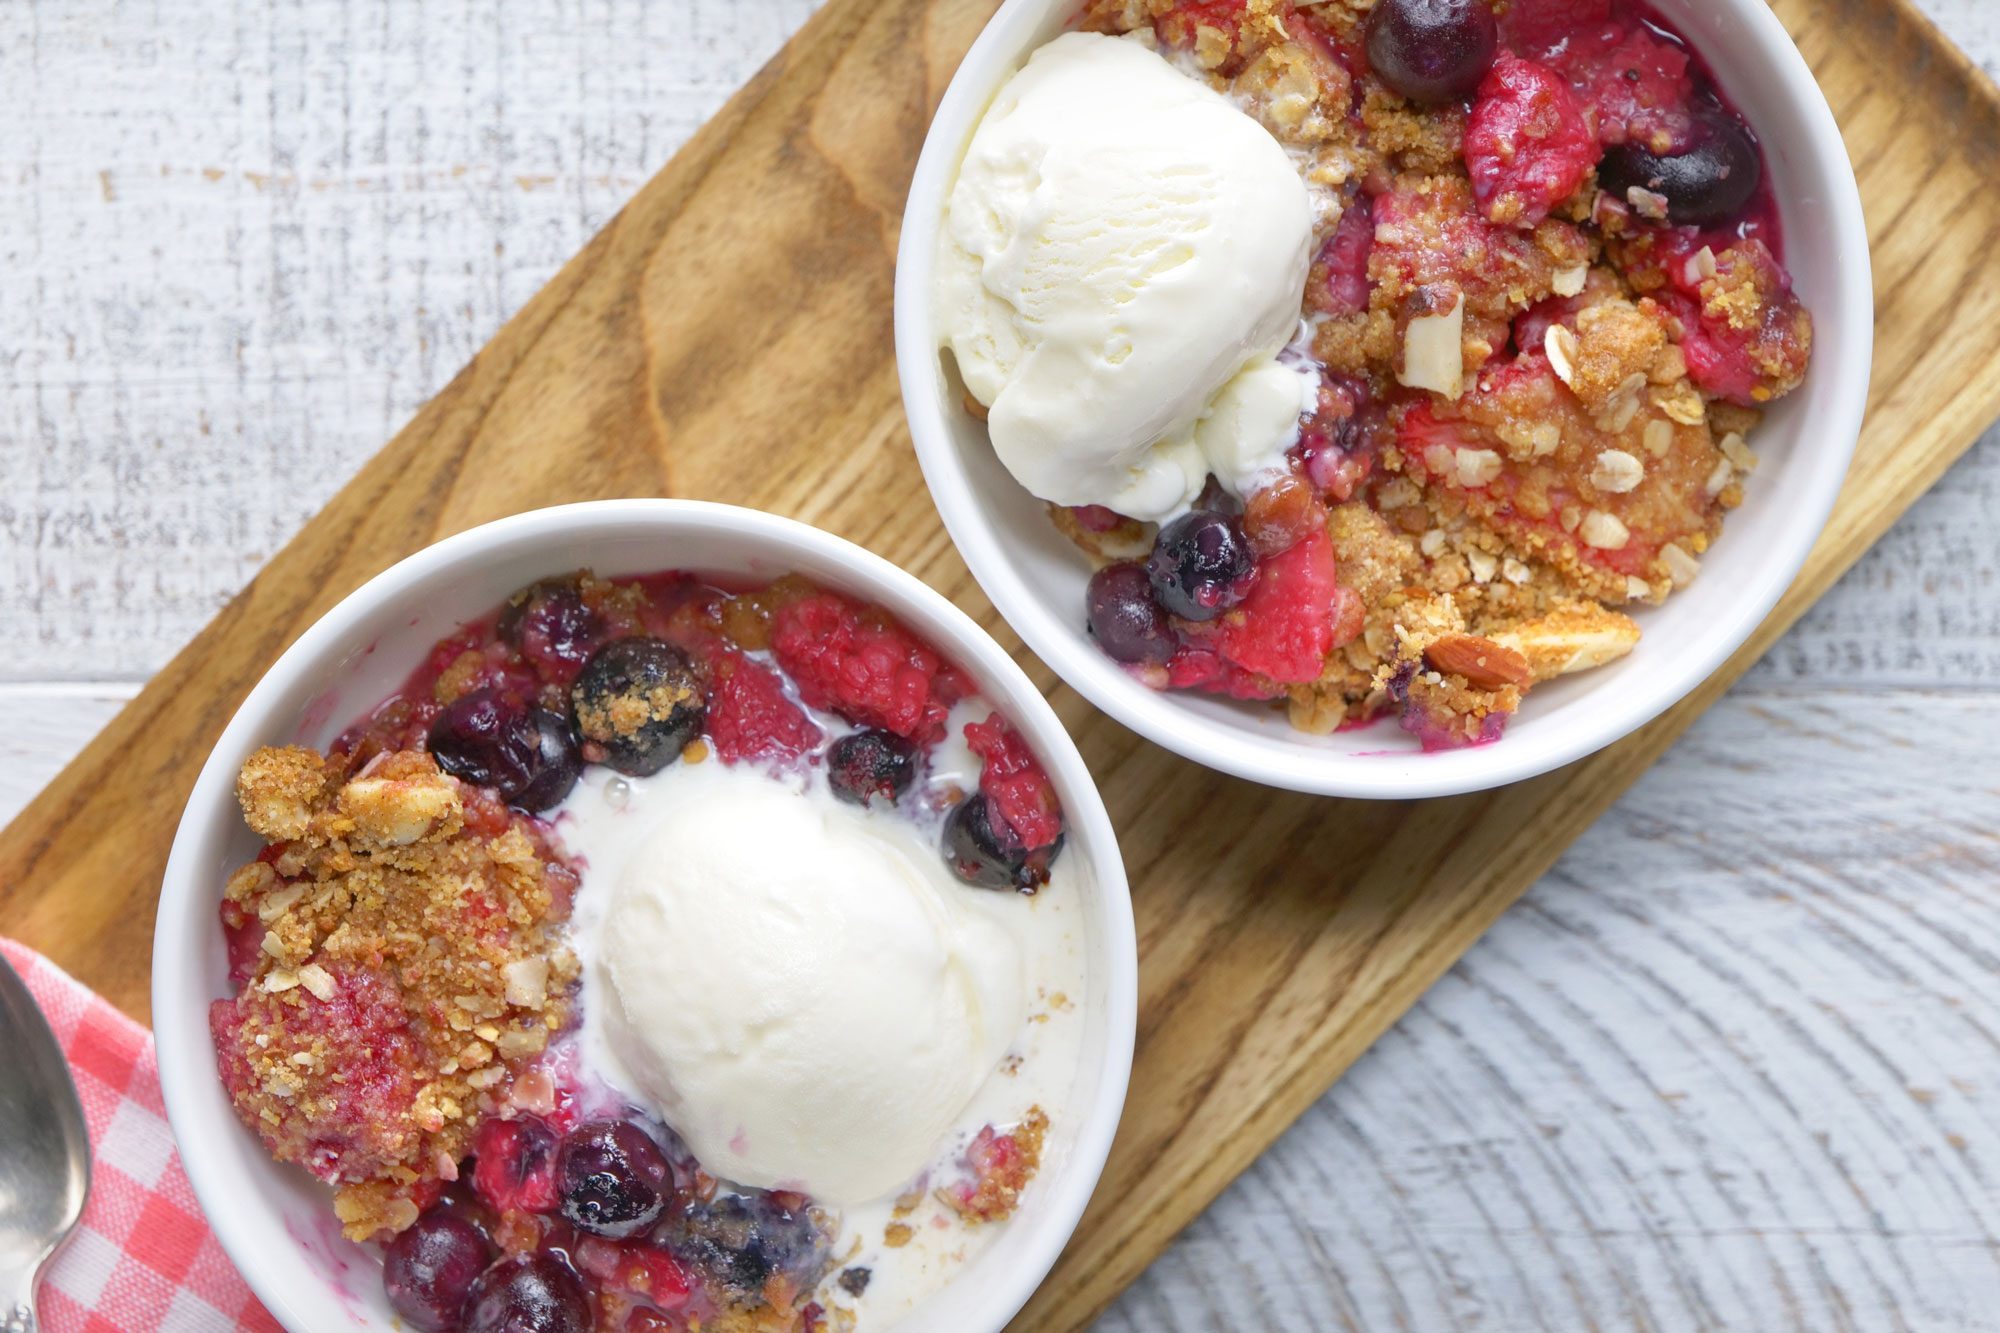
{"points": [[1035, 577], [275, 1222]]}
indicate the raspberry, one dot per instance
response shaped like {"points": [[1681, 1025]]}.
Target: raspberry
{"points": [[1285, 628], [1338, 284], [749, 716], [1528, 144], [1539, 28], [1638, 85], [872, 672], [1014, 783]]}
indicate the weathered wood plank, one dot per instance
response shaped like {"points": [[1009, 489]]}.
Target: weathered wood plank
{"points": [[1729, 1065]]}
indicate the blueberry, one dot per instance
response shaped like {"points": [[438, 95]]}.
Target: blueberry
{"points": [[529, 1293], [550, 623], [526, 754], [1432, 51], [978, 856], [1201, 565], [1124, 619], [740, 1240], [1708, 183], [429, 1269], [613, 1179], [868, 763], [639, 702]]}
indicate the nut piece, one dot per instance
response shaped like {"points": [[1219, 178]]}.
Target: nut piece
{"points": [[1617, 472], [317, 980], [1486, 665], [1434, 352], [1477, 467], [1572, 638], [1719, 478], [1738, 453], [1569, 281], [527, 982], [1681, 567]]}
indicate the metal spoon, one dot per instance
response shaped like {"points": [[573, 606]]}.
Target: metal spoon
{"points": [[44, 1151]]}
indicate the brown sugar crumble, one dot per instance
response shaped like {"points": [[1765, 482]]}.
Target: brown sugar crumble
{"points": [[394, 949]]}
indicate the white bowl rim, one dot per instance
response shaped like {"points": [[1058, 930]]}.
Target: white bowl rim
{"points": [[185, 1057], [1840, 374]]}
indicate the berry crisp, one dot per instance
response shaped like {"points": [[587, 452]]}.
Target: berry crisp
{"points": [[1547, 307], [406, 994]]}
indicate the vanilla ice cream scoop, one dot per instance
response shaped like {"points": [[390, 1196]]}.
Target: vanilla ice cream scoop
{"points": [[801, 988], [1122, 260]]}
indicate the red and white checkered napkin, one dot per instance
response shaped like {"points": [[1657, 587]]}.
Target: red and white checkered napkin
{"points": [[142, 1259]]}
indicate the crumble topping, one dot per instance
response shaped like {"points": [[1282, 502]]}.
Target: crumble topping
{"points": [[396, 962]]}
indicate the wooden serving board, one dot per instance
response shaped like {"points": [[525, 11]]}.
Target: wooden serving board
{"points": [[728, 337]]}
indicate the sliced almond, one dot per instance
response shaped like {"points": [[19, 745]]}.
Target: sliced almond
{"points": [[1739, 454], [1681, 567], [1484, 664], [1483, 565], [318, 981], [1572, 639], [1477, 467], [1569, 281]]}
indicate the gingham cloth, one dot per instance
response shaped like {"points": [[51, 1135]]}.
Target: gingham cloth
{"points": [[142, 1259]]}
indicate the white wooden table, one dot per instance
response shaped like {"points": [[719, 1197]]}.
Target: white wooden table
{"points": [[1734, 1063]]}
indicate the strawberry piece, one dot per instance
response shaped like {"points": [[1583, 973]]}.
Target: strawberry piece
{"points": [[749, 714], [1197, 666], [1285, 628], [1528, 144], [1015, 786]]}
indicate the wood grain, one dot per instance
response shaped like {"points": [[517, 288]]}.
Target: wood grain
{"points": [[1262, 982]]}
